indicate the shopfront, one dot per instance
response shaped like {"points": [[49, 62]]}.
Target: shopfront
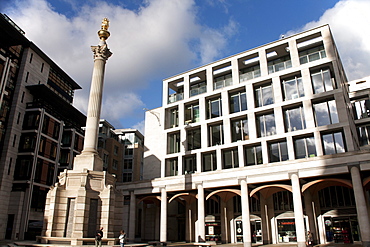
{"points": [[286, 230], [341, 229]]}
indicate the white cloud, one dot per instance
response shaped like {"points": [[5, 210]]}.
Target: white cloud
{"points": [[349, 21], [152, 42]]}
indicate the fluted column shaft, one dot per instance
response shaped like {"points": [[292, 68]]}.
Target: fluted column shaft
{"points": [[101, 55]]}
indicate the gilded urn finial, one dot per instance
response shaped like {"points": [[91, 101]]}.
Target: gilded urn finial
{"points": [[103, 32]]}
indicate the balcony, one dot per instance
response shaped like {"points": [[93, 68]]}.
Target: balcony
{"points": [[175, 97]]}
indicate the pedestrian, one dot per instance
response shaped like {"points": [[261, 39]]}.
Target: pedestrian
{"points": [[122, 238], [98, 237], [309, 239]]}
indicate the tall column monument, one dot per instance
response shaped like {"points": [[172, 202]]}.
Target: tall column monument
{"points": [[84, 199]]}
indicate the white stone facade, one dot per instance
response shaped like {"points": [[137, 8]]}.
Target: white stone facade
{"points": [[274, 126]]}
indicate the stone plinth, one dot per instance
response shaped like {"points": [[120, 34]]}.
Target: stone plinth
{"points": [[79, 204]]}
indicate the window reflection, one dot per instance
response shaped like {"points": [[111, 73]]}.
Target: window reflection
{"points": [[294, 119], [326, 113], [266, 125], [333, 143]]}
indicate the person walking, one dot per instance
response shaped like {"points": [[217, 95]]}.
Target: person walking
{"points": [[122, 238], [98, 237], [309, 239]]}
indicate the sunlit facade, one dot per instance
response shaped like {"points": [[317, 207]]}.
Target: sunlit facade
{"points": [[258, 147]]}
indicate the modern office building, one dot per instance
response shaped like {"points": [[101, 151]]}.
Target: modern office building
{"points": [[40, 130], [261, 146], [121, 151]]}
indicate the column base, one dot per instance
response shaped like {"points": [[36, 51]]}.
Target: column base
{"points": [[301, 244], [247, 244], [89, 161]]}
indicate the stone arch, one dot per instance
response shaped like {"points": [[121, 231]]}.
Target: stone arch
{"points": [[267, 190], [320, 184], [188, 197], [150, 200], [225, 194]]}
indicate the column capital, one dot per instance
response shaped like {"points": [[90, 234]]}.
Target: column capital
{"points": [[101, 52], [240, 179], [291, 173]]}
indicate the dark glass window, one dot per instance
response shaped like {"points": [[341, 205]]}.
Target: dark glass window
{"points": [[209, 162], [238, 102], [333, 143], [192, 113], [326, 113], [294, 119], [216, 135], [173, 143], [266, 125], [253, 155], [190, 164], [214, 108], [239, 130], [304, 147], [278, 151], [230, 158], [172, 167], [194, 139]]}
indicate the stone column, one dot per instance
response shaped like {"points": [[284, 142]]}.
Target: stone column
{"points": [[89, 158], [247, 240], [224, 222], [201, 217], [132, 219], [188, 222], [298, 210], [264, 220], [310, 214], [362, 215], [163, 224]]}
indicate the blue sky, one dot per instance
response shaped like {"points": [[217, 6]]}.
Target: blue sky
{"points": [[155, 39]]}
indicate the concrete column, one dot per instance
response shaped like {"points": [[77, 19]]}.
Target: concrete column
{"points": [[247, 240], [188, 222], [163, 224], [265, 220], [310, 214], [132, 219], [298, 210], [224, 222], [201, 217], [362, 215]]}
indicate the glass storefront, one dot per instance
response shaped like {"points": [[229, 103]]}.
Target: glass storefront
{"points": [[286, 230], [341, 229]]}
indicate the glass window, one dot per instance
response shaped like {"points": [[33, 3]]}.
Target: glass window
{"points": [[326, 113], [126, 176], [174, 117], [364, 135], [238, 102], [333, 143], [127, 164], [173, 143], [279, 64], [222, 81], [209, 162], [198, 88], [278, 151], [253, 155], [214, 107], [322, 81], [192, 113], [172, 167], [266, 125], [239, 130], [292, 88], [190, 164], [230, 158], [312, 54], [304, 147], [361, 108], [194, 138], [264, 95], [250, 73], [175, 95], [216, 135], [294, 119]]}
